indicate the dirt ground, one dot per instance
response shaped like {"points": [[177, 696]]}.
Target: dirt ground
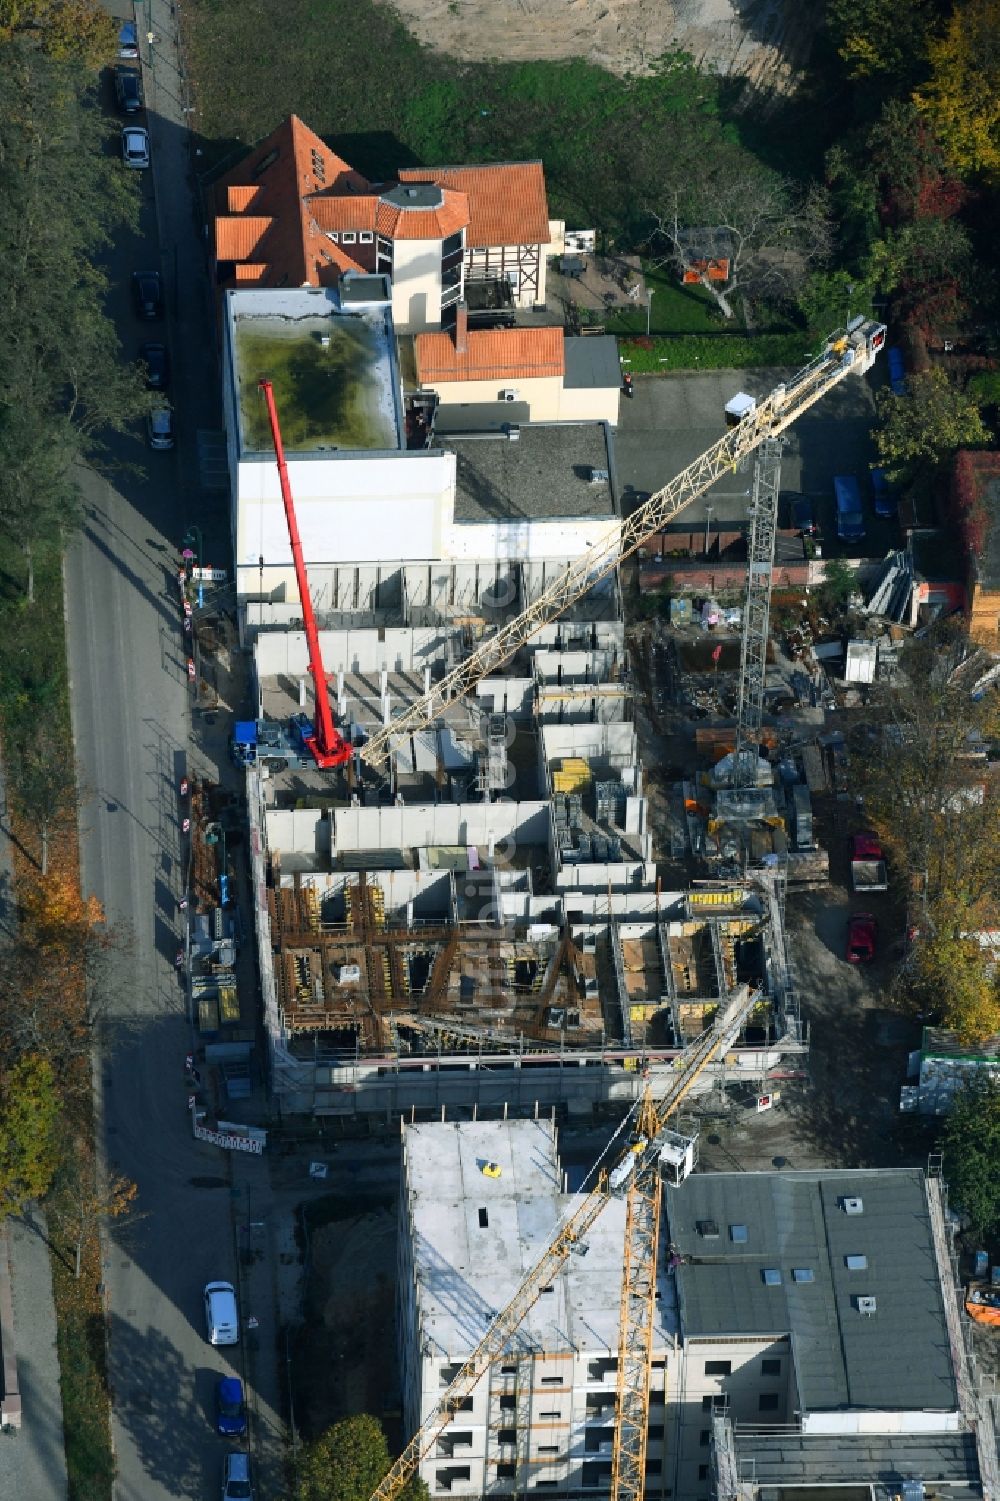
{"points": [[766, 43]]}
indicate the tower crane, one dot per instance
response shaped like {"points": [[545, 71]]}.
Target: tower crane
{"points": [[264, 740], [653, 1152], [853, 349], [656, 1153]]}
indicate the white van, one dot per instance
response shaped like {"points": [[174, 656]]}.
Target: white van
{"points": [[221, 1319]]}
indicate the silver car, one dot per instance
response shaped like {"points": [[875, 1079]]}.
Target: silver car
{"points": [[236, 1484], [160, 426], [135, 146]]}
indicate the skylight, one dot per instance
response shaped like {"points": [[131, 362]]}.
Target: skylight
{"points": [[857, 1263], [803, 1274], [738, 1234], [771, 1276]]}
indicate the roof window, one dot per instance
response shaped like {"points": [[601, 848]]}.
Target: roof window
{"points": [[707, 1229], [484, 1219], [265, 162], [856, 1263], [738, 1234], [803, 1274], [771, 1276]]}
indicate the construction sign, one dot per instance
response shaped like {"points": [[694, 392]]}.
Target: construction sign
{"points": [[766, 1101]]}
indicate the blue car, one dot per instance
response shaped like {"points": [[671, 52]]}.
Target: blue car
{"points": [[885, 501], [230, 1408], [897, 372]]}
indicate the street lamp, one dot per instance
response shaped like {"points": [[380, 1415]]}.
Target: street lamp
{"points": [[708, 523], [192, 534], [649, 306]]}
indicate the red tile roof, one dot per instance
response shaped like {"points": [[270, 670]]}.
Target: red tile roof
{"points": [[237, 237], [397, 222], [302, 191], [252, 271], [507, 203], [491, 354]]}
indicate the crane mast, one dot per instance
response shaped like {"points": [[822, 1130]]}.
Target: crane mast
{"points": [[327, 745], [854, 349]]}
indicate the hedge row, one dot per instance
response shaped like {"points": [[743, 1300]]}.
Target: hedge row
{"points": [[659, 356]]}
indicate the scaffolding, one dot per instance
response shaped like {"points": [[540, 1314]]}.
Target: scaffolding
{"points": [[756, 616]]}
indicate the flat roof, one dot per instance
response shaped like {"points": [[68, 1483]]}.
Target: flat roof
{"points": [[782, 1460], [541, 474], [467, 1270], [895, 1359], [591, 362], [334, 372]]}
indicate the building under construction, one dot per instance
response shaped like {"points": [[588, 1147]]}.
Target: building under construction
{"points": [[481, 923]]}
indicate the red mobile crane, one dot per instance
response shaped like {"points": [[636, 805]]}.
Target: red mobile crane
{"points": [[325, 743]]}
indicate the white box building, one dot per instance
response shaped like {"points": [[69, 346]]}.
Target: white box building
{"points": [[797, 1314]]}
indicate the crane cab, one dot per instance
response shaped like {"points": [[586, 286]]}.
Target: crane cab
{"points": [[740, 406], [678, 1157]]}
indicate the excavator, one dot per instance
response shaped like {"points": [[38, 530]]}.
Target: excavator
{"points": [[654, 1154]]}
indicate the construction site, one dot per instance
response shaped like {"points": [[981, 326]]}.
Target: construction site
{"points": [[458, 898]]}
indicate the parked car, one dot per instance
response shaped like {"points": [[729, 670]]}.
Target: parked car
{"points": [[897, 371], [862, 937], [885, 500], [135, 146], [147, 294], [236, 1485], [802, 514], [156, 358], [128, 40], [128, 91], [230, 1408], [221, 1319], [160, 426], [850, 516]]}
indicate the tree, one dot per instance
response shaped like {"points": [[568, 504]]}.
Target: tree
{"points": [[29, 1108], [85, 1203], [347, 1462], [928, 424], [44, 780], [828, 298], [925, 267], [879, 37], [971, 1143], [912, 173], [961, 98], [63, 28], [771, 233]]}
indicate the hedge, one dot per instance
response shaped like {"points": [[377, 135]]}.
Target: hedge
{"points": [[659, 356]]}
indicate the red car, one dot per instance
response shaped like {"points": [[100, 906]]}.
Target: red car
{"points": [[862, 936]]}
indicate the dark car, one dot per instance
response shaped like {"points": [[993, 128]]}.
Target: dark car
{"points": [[147, 293], [230, 1408], [885, 500], [862, 936], [128, 91], [156, 359], [803, 514], [897, 371]]}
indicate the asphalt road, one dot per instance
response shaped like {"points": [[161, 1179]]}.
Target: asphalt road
{"points": [[132, 723]]}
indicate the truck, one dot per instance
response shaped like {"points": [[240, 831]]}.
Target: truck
{"points": [[868, 869], [276, 746]]}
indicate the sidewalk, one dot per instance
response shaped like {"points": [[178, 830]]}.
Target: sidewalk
{"points": [[33, 1460]]}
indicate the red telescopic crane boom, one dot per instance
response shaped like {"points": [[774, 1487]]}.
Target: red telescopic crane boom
{"points": [[327, 745]]}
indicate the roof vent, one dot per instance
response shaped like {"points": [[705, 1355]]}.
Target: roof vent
{"points": [[865, 1305], [853, 1206], [599, 476], [856, 1263], [707, 1229], [411, 192]]}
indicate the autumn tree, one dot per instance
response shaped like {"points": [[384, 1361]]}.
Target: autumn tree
{"points": [[771, 232], [880, 37], [927, 425], [961, 98], [347, 1462], [29, 1109], [971, 1144], [80, 29], [85, 1202], [918, 770]]}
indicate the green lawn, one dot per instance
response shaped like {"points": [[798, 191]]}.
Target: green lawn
{"points": [[675, 309]]}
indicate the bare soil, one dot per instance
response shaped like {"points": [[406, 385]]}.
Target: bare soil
{"points": [[765, 42]]}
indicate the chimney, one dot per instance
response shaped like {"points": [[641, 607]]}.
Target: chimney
{"points": [[461, 328]]}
